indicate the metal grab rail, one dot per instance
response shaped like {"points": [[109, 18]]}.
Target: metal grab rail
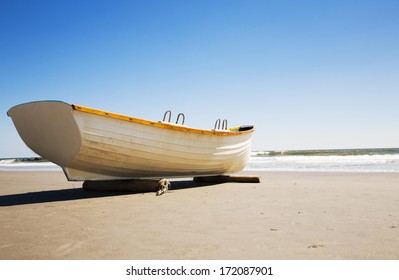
{"points": [[218, 123], [178, 117], [224, 124], [170, 115]]}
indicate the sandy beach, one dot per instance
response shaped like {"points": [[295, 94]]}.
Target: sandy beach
{"points": [[289, 216]]}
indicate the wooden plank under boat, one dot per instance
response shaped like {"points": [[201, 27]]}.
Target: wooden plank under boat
{"points": [[91, 144]]}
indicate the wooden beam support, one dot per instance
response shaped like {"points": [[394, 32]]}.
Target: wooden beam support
{"points": [[228, 178], [132, 185]]}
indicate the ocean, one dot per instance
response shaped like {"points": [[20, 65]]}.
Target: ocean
{"points": [[339, 160], [27, 164]]}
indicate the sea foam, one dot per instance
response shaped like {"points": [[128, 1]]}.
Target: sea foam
{"points": [[354, 160], [27, 164]]}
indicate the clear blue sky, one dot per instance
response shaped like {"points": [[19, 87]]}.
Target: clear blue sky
{"points": [[308, 74]]}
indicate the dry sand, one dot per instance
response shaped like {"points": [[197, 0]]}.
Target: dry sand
{"points": [[287, 216]]}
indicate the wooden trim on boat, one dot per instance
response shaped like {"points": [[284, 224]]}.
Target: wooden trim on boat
{"points": [[159, 124]]}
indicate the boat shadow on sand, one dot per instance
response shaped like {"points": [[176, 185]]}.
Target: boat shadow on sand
{"points": [[80, 193]]}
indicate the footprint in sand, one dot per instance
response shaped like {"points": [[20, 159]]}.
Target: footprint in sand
{"points": [[315, 246], [6, 245], [68, 248]]}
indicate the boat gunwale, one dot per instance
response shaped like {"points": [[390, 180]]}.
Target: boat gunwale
{"points": [[163, 125]]}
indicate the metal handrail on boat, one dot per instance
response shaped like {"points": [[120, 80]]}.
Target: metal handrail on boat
{"points": [[218, 123], [170, 115], [178, 117], [224, 124]]}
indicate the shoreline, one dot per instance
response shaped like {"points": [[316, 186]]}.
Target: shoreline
{"points": [[288, 216]]}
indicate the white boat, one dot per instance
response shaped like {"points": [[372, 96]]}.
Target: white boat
{"points": [[91, 144]]}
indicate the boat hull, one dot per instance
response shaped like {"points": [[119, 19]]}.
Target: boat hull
{"points": [[95, 145]]}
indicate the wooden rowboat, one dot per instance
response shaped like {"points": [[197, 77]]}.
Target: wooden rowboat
{"points": [[90, 144]]}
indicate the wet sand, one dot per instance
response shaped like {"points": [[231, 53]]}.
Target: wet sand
{"points": [[287, 216]]}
